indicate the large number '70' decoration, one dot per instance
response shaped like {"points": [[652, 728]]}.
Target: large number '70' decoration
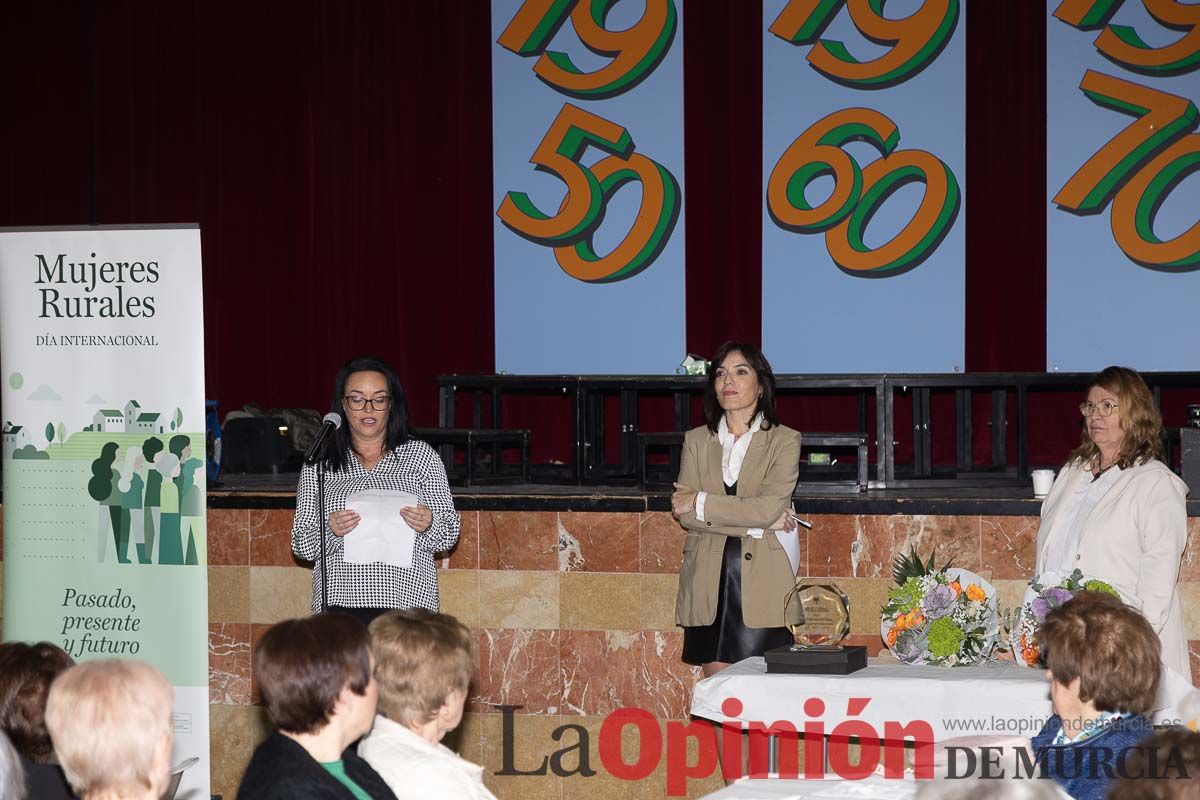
{"points": [[1137, 169], [571, 229], [859, 192]]}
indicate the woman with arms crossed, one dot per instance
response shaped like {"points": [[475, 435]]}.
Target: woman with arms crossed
{"points": [[734, 492], [1116, 512], [372, 450]]}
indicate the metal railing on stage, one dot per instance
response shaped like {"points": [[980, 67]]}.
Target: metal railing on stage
{"points": [[873, 397]]}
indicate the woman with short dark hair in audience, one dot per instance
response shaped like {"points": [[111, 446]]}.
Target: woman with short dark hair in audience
{"points": [[1102, 660], [372, 450], [316, 678], [26, 672]]}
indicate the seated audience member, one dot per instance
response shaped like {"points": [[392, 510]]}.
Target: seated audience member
{"points": [[423, 662], [12, 774], [110, 722], [26, 672], [1164, 767], [1102, 662], [315, 678]]}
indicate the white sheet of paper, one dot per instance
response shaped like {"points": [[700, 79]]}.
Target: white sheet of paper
{"points": [[791, 545], [382, 535]]}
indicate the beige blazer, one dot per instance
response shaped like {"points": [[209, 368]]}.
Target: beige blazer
{"points": [[764, 491], [1133, 539]]}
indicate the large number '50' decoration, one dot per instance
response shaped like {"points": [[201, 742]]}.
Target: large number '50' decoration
{"points": [[1137, 169], [635, 51], [859, 192], [1122, 43], [915, 40], [570, 230]]}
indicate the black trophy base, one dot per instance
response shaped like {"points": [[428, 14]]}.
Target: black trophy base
{"points": [[816, 662]]}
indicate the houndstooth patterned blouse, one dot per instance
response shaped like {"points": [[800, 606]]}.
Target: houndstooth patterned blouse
{"points": [[413, 467]]}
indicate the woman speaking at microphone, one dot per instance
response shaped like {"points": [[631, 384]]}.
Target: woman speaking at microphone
{"points": [[372, 449], [736, 479]]}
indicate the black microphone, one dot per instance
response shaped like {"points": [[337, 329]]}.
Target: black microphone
{"points": [[329, 423]]}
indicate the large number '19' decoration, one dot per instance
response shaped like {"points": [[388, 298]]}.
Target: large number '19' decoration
{"points": [[571, 229], [1137, 169], [1122, 44], [915, 40], [635, 51], [859, 192]]}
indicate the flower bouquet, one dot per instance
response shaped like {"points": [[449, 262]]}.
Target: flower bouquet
{"points": [[1045, 593], [946, 617]]}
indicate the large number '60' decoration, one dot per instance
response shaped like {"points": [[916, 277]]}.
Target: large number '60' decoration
{"points": [[571, 229], [859, 192]]}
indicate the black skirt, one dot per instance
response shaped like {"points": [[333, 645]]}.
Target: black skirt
{"points": [[728, 639]]}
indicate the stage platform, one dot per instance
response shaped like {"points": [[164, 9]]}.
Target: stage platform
{"points": [[278, 491]]}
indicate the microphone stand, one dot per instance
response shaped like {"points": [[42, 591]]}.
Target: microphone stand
{"points": [[322, 560]]}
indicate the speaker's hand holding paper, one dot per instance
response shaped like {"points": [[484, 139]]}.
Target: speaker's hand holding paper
{"points": [[382, 535]]}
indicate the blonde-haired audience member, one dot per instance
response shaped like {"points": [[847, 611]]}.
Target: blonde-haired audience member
{"points": [[423, 663], [110, 722]]}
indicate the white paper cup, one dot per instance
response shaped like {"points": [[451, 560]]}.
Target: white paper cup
{"points": [[1043, 479]]}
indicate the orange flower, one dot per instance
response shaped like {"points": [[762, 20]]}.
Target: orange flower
{"points": [[891, 636], [957, 587], [1030, 654], [974, 592]]}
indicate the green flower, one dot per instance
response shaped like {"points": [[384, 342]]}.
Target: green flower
{"points": [[906, 596], [945, 638], [1100, 586]]}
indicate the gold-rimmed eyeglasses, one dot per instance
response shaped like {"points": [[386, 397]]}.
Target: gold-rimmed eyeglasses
{"points": [[1104, 408], [359, 403]]}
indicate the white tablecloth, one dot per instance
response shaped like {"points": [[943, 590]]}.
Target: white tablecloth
{"points": [[955, 701], [872, 787]]}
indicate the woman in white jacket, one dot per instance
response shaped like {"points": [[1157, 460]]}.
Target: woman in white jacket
{"points": [[1117, 513], [423, 665]]}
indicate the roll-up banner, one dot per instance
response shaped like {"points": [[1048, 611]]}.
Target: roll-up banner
{"points": [[587, 148], [1123, 211], [102, 355], [864, 122]]}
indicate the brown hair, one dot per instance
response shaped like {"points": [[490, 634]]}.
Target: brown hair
{"points": [[1166, 766], [26, 672], [1109, 646], [1140, 421], [766, 381], [420, 657], [302, 665]]}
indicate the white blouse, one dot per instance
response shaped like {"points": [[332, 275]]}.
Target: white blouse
{"points": [[733, 453], [1062, 549]]}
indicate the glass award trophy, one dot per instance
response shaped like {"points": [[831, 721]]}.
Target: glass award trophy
{"points": [[818, 636], [826, 617]]}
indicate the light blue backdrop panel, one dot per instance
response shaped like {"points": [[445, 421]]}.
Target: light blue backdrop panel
{"points": [[1101, 307], [548, 322], [816, 317]]}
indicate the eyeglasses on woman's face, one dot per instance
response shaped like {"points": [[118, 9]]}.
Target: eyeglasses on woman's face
{"points": [[359, 403], [1104, 408]]}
